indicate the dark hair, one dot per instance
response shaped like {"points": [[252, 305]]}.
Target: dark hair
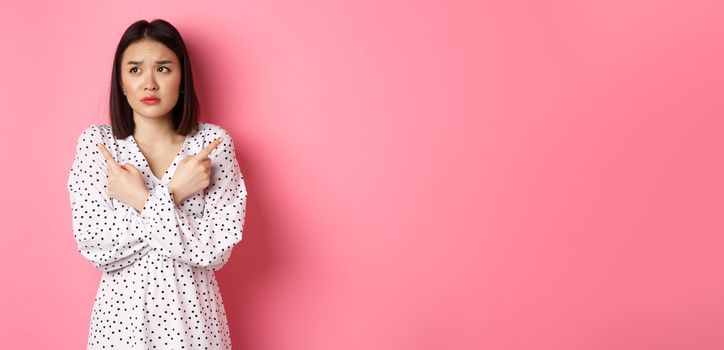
{"points": [[187, 109]]}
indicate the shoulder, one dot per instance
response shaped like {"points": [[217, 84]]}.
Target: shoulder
{"points": [[95, 133], [212, 131]]}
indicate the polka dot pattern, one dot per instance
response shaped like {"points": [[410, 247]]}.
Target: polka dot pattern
{"points": [[158, 288]]}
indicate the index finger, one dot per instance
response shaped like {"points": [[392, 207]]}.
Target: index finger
{"points": [[210, 147], [107, 155]]}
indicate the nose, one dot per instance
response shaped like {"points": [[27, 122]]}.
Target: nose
{"points": [[151, 84]]}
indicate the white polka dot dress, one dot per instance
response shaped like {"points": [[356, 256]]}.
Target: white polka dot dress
{"points": [[158, 288]]}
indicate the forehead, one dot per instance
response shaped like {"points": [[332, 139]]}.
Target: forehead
{"points": [[147, 51]]}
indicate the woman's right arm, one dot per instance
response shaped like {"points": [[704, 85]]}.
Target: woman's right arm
{"points": [[110, 238]]}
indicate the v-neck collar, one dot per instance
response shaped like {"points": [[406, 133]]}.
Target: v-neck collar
{"points": [[175, 158]]}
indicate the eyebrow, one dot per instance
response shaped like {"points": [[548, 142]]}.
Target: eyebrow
{"points": [[157, 62]]}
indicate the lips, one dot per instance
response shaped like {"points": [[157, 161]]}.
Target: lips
{"points": [[151, 100]]}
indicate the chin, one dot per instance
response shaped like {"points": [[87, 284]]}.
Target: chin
{"points": [[153, 111]]}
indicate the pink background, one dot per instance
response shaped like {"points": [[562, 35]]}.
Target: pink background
{"points": [[421, 175]]}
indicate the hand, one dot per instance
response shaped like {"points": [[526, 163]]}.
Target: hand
{"points": [[125, 182], [193, 173]]}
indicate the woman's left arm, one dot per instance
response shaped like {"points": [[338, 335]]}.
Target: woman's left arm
{"points": [[207, 241]]}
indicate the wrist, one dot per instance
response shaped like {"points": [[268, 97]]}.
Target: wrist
{"points": [[141, 202], [175, 194]]}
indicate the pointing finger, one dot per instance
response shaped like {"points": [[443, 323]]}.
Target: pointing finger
{"points": [[210, 147], [107, 155]]}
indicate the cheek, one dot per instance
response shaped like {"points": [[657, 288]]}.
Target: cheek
{"points": [[128, 82], [176, 81]]}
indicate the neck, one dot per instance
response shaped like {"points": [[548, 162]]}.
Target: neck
{"points": [[154, 130]]}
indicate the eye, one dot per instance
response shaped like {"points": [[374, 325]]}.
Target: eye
{"points": [[166, 68], [131, 70]]}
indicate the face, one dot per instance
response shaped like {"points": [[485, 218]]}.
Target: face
{"points": [[149, 68]]}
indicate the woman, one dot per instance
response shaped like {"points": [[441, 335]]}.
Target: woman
{"points": [[158, 202]]}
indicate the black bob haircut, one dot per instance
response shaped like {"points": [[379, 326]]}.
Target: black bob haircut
{"points": [[187, 109]]}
